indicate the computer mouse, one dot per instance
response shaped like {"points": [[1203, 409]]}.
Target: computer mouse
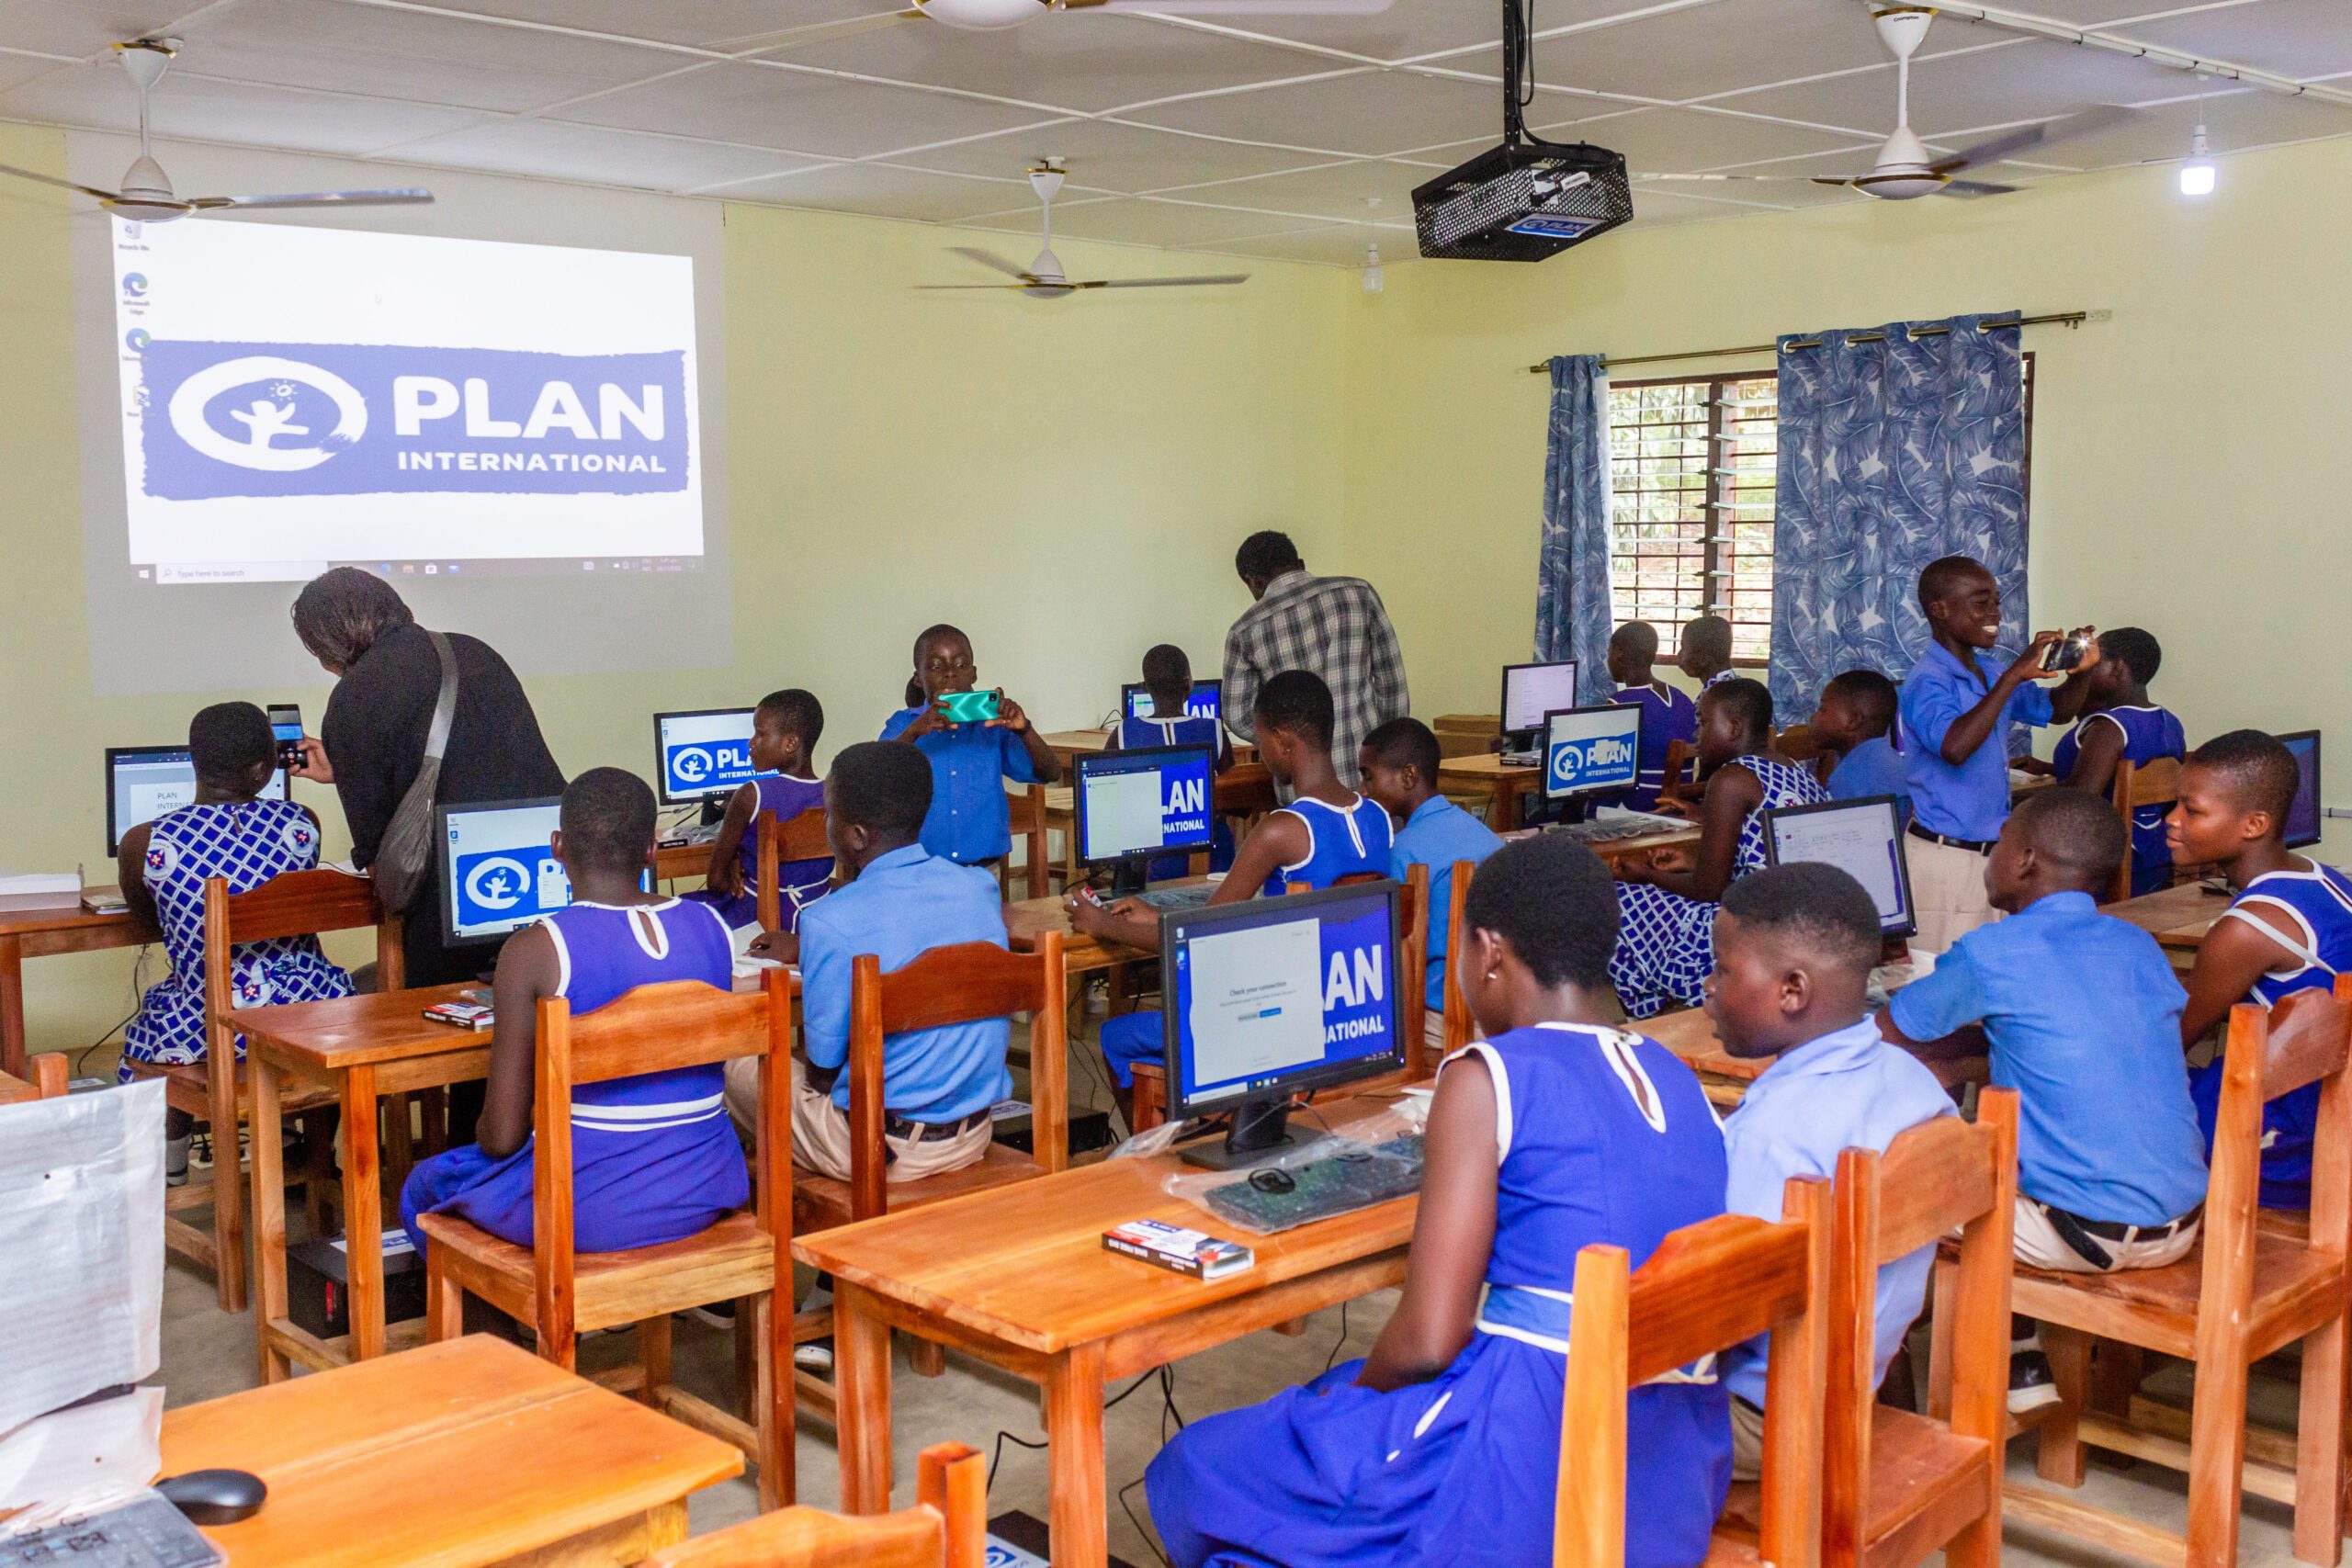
{"points": [[214, 1497], [1276, 1181]]}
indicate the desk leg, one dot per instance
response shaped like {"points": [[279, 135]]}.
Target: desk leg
{"points": [[363, 1214], [12, 1007], [1074, 1435], [1506, 807], [862, 1370], [270, 1217]]}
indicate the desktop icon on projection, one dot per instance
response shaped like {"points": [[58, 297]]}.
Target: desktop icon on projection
{"points": [[1273, 996], [1591, 752], [1134, 806], [703, 756], [1863, 837], [498, 871]]}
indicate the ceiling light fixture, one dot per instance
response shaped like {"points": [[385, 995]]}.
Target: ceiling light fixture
{"points": [[2196, 175]]}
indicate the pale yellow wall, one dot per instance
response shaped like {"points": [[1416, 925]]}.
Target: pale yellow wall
{"points": [[2187, 454], [1068, 479]]}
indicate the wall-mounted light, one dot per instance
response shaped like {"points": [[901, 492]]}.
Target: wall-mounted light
{"points": [[2196, 175]]}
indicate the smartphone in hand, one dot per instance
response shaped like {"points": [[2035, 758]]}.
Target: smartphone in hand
{"points": [[970, 707], [286, 726]]}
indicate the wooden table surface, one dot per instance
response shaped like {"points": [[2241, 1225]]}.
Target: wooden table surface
{"points": [[42, 933], [1505, 784], [469, 1451], [2176, 916], [1691, 1034]]}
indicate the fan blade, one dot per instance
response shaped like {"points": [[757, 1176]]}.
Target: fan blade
{"points": [[1162, 282], [938, 286], [409, 196], [1743, 179], [1971, 189], [2096, 117], [993, 262], [53, 180], [1819, 181], [1241, 8], [815, 33]]}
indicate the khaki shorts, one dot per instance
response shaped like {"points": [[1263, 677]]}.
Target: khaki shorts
{"points": [[1747, 1441], [820, 1139], [1947, 892], [2039, 1246]]}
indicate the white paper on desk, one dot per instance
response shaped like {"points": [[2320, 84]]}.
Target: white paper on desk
{"points": [[57, 1459], [82, 1237]]}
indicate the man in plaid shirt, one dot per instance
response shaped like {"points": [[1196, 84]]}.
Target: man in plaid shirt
{"points": [[1333, 626]]}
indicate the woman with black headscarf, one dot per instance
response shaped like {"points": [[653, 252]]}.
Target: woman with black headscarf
{"points": [[372, 741]]}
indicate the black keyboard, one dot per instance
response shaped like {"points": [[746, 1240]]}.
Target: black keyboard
{"points": [[1602, 830], [1275, 1198], [146, 1532], [1164, 899]]}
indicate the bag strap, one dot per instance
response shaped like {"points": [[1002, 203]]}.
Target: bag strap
{"points": [[444, 707]]}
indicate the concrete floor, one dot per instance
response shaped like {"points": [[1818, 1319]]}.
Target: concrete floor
{"points": [[206, 1353]]}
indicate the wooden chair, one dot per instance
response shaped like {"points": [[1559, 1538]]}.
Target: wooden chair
{"points": [[2244, 1294], [48, 1080], [780, 843], [215, 1091], [1707, 1288], [1897, 1486], [2138, 784], [947, 1528], [1458, 1022], [1680, 756], [1028, 807], [1796, 743], [560, 1293]]}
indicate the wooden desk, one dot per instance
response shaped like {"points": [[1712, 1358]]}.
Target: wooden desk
{"points": [[1067, 744], [40, 933], [1612, 851], [467, 1452], [2176, 916], [1504, 783], [679, 861], [1018, 1278], [1691, 1034]]}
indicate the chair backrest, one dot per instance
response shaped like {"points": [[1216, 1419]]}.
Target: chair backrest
{"points": [[1797, 744], [2136, 784], [1941, 1175], [1028, 810], [48, 1080], [781, 841], [1707, 1288], [2307, 1038], [679, 1023], [947, 1528], [963, 984], [1457, 933], [1413, 968], [1679, 754]]}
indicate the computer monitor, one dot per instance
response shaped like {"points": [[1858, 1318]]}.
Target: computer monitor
{"points": [[498, 873], [2304, 818], [1863, 837], [704, 755], [1206, 700], [1530, 690], [1273, 997], [144, 782], [1133, 806], [1589, 751]]}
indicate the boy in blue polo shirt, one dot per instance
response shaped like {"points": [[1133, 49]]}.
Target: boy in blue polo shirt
{"points": [[1399, 768], [1854, 722], [970, 820], [1668, 715], [1794, 946], [1955, 718], [2080, 1012]]}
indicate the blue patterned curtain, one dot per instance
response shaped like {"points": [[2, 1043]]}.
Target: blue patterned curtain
{"points": [[1892, 453], [1572, 612]]}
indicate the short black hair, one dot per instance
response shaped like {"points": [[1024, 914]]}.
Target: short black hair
{"points": [[1166, 668], [1555, 902], [1940, 576], [607, 820], [1816, 905], [1639, 637], [2257, 769], [1407, 743], [228, 740], [797, 713], [1751, 699], [931, 633], [1266, 554], [1710, 634], [914, 690], [2136, 650], [340, 613], [882, 787], [1873, 694], [2079, 831], [1298, 702]]}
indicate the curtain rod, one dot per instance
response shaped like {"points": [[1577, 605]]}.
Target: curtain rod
{"points": [[2069, 318]]}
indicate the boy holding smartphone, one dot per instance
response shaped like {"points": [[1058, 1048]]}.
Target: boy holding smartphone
{"points": [[973, 745]]}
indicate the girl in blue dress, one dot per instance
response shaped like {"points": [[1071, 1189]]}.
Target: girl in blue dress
{"points": [[1556, 1131], [1667, 947], [2288, 930], [784, 730], [2120, 725], [1327, 832], [654, 1158], [1168, 674]]}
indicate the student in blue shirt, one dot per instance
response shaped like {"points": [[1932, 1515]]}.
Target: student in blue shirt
{"points": [[1855, 723], [899, 902], [2120, 725], [1668, 715], [1955, 719], [1168, 676], [1794, 947], [970, 820], [1705, 654], [2078, 1013], [1399, 770]]}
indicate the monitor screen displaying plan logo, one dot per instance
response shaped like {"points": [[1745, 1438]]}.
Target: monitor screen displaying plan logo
{"points": [[247, 419]]}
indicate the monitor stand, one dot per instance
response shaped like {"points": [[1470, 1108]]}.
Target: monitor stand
{"points": [[1127, 879], [714, 810], [1260, 1131]]}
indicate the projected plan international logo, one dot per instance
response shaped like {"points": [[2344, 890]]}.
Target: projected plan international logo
{"points": [[273, 411]]}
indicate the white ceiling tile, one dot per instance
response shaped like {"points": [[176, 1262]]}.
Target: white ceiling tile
{"points": [[2233, 120], [2302, 39], [1713, 49], [560, 151], [704, 24], [1366, 112], [1684, 140], [1336, 191], [1418, 29], [882, 191], [1137, 223], [195, 108], [797, 111], [1335, 244], [83, 28], [1109, 156]]}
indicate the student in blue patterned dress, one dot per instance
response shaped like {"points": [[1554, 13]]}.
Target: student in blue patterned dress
{"points": [[226, 831], [1554, 1132], [1167, 675], [1668, 715], [2289, 928], [1705, 654], [1328, 831], [1667, 945], [971, 819], [654, 1158], [2120, 725], [1854, 722], [784, 730]]}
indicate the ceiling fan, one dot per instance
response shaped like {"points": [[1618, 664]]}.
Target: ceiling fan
{"points": [[146, 193], [993, 16], [1044, 277], [1902, 169]]}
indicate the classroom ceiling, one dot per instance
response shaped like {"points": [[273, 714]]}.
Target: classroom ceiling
{"points": [[1252, 136]]}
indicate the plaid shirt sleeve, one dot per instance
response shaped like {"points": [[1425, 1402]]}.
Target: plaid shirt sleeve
{"points": [[1238, 695], [1390, 699]]}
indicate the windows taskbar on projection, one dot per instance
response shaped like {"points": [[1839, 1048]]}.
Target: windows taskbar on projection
{"points": [[169, 573]]}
